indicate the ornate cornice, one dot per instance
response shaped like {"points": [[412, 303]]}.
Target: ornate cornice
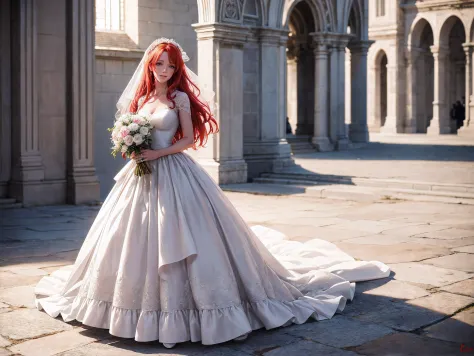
{"points": [[438, 5], [225, 33]]}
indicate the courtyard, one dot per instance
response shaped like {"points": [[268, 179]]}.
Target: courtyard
{"points": [[425, 307]]}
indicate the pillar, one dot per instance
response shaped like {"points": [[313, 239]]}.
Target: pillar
{"points": [[358, 129], [468, 80], [270, 151], [337, 125], [220, 67], [471, 97], [5, 97], [82, 182], [305, 85], [440, 122], [320, 138], [27, 163], [373, 98], [292, 90], [390, 125], [412, 97]]}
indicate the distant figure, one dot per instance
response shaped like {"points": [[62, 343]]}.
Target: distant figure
{"points": [[459, 114], [452, 112], [288, 126]]}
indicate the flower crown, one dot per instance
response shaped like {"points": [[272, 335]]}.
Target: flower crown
{"points": [[155, 43]]}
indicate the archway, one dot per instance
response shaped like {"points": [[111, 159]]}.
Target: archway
{"points": [[452, 37], [421, 72], [381, 62], [300, 70]]}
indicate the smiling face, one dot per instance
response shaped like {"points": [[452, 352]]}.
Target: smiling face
{"points": [[164, 69]]}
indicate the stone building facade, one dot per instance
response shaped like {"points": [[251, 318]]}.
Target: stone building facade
{"points": [[420, 64], [64, 65]]}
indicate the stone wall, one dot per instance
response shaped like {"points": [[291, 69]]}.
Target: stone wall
{"points": [[171, 19], [113, 71]]}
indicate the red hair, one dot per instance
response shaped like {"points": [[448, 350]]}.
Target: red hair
{"points": [[203, 121]]}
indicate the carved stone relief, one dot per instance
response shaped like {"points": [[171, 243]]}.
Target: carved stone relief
{"points": [[231, 10]]}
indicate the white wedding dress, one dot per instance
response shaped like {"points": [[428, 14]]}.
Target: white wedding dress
{"points": [[168, 258]]}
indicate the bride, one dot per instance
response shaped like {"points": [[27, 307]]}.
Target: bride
{"points": [[168, 257]]}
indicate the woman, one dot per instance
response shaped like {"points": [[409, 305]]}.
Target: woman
{"points": [[168, 258]]}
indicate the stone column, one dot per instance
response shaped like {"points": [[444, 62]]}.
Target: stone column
{"points": [[440, 122], [390, 125], [220, 67], [270, 151], [83, 185], [292, 90], [5, 96], [320, 138], [337, 95], [28, 169], [333, 95], [411, 94], [358, 130], [304, 56], [471, 97], [373, 98], [468, 50]]}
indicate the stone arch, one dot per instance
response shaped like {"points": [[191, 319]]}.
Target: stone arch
{"points": [[471, 33], [356, 21], [418, 26], [381, 87], [452, 36], [445, 30], [317, 12], [206, 11], [300, 68], [420, 73]]}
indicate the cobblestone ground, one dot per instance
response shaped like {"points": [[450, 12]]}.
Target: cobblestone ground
{"points": [[426, 307], [440, 159]]}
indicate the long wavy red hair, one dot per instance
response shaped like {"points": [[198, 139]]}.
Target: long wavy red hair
{"points": [[203, 121]]}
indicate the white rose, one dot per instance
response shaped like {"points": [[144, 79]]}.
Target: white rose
{"points": [[125, 119], [133, 127], [128, 140], [124, 148], [144, 130], [118, 125], [138, 139]]}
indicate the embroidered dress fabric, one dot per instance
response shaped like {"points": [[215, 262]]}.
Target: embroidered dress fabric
{"points": [[169, 258]]}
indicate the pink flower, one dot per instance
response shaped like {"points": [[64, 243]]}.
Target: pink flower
{"points": [[124, 132], [137, 121]]}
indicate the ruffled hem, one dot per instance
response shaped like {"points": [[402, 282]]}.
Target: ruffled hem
{"points": [[210, 326]]}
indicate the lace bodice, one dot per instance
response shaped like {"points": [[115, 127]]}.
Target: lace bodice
{"points": [[165, 121]]}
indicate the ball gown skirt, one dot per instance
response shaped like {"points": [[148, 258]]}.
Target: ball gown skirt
{"points": [[169, 258]]}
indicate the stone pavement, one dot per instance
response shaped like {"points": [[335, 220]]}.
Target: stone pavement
{"points": [[426, 307], [445, 159]]}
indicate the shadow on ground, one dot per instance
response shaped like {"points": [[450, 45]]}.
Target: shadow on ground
{"points": [[400, 152]]}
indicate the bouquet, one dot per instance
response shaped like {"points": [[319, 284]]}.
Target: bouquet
{"points": [[130, 134]]}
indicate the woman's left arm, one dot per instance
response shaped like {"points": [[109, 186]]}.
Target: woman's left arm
{"points": [[184, 143]]}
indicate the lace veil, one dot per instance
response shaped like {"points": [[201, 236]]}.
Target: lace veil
{"points": [[205, 95]]}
